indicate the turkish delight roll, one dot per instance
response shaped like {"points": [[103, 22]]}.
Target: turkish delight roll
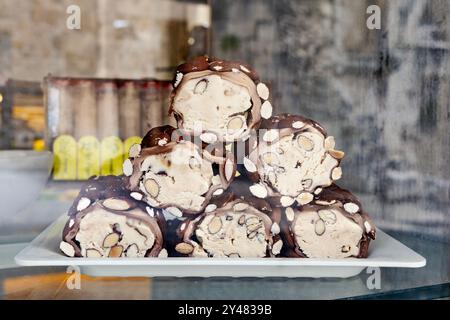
{"points": [[107, 221], [239, 227], [333, 225], [293, 159], [218, 100], [177, 175]]}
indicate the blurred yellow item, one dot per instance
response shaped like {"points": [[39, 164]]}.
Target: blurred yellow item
{"points": [[34, 116], [87, 157], [39, 145], [111, 155], [65, 158]]}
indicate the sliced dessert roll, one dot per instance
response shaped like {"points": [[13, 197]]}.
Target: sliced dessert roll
{"points": [[293, 159], [333, 225], [107, 221], [235, 229], [220, 100], [178, 176]]}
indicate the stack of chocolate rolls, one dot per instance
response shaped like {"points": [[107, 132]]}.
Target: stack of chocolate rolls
{"points": [[275, 197]]}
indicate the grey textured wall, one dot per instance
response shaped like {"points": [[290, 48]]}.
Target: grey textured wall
{"points": [[384, 94]]}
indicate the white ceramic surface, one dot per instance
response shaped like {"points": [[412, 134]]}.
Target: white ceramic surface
{"points": [[23, 175], [384, 252]]}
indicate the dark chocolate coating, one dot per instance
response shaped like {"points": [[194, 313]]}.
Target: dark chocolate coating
{"points": [[285, 121], [101, 188], [203, 63], [152, 137], [240, 191]]}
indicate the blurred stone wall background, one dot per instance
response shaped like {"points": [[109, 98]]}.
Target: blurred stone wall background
{"points": [[384, 94], [127, 39]]}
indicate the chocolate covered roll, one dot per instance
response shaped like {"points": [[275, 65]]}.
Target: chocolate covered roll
{"points": [[293, 159], [106, 220], [333, 225], [234, 227], [177, 175], [220, 100]]}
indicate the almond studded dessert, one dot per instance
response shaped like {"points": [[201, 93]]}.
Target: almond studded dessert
{"points": [[178, 176], [285, 203], [218, 100], [333, 225], [106, 221], [293, 160], [234, 227]]}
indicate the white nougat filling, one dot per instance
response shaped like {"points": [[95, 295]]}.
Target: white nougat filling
{"points": [[98, 224], [326, 234], [292, 168], [178, 178], [213, 106], [239, 235]]}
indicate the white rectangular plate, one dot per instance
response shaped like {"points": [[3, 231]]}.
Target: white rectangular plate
{"points": [[384, 252]]}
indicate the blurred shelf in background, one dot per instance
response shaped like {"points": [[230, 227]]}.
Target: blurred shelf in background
{"points": [[22, 123]]}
